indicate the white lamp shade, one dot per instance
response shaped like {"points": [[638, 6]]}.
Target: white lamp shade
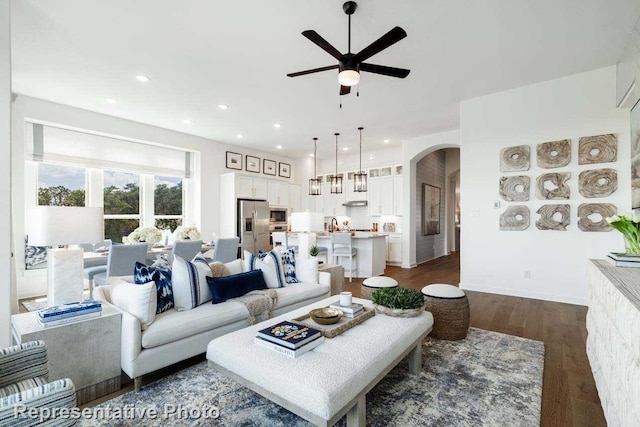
{"points": [[307, 222], [64, 225], [348, 77]]}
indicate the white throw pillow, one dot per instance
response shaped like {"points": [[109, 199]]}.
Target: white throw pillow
{"points": [[307, 270], [235, 266], [138, 300], [189, 282], [270, 267]]}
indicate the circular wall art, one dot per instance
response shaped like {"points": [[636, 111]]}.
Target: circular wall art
{"points": [[558, 180], [515, 218], [597, 182], [597, 149], [593, 216], [553, 217], [554, 154], [514, 188], [515, 158]]}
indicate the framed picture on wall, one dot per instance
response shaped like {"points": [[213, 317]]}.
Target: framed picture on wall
{"points": [[285, 170], [234, 160], [252, 164], [269, 167], [430, 210]]}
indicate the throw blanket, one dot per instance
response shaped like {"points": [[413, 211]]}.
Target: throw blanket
{"points": [[259, 304]]}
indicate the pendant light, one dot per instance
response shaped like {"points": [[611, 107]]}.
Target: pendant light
{"points": [[315, 188], [336, 181], [360, 178]]}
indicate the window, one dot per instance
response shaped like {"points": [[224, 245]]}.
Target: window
{"points": [[61, 185], [121, 204], [167, 202]]}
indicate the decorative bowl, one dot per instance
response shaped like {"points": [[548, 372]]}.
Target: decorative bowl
{"points": [[326, 315]]}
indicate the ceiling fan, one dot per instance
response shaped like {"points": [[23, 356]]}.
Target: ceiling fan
{"points": [[351, 64]]}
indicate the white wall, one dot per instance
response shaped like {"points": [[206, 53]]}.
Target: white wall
{"points": [[412, 151], [212, 156], [6, 270], [570, 107]]}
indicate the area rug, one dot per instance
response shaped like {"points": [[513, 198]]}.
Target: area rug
{"points": [[488, 379]]}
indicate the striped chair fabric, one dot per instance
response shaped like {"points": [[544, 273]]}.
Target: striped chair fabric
{"points": [[23, 378]]}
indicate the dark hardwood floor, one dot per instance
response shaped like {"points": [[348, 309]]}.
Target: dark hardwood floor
{"points": [[569, 395]]}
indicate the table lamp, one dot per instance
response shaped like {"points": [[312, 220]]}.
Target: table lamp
{"points": [[307, 224], [64, 225]]}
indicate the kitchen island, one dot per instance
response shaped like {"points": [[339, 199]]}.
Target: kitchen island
{"points": [[371, 252]]}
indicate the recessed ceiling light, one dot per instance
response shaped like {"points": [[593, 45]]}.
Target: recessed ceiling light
{"points": [[110, 100], [142, 78], [311, 155], [186, 121], [277, 125], [239, 136], [279, 147], [345, 148], [223, 106], [386, 141]]}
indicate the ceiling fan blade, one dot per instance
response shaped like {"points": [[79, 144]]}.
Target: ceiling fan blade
{"points": [[385, 71], [393, 36], [345, 90], [322, 43], [314, 70]]}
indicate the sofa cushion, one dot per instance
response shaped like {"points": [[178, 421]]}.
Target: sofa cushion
{"points": [[307, 270], [190, 288], [138, 300], [300, 292], [270, 266], [24, 385], [235, 266], [288, 258], [235, 285], [174, 325], [161, 275]]}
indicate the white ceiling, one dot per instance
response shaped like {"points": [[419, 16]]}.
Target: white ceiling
{"points": [[200, 53]]}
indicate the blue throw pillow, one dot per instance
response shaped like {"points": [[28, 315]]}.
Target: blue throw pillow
{"points": [[289, 266], [236, 285], [162, 276]]}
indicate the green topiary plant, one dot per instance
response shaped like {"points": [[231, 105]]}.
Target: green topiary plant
{"points": [[398, 298], [314, 251]]}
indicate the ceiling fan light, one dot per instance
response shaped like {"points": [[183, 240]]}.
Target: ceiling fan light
{"points": [[348, 77]]}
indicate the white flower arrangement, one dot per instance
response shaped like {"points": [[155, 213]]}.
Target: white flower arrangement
{"points": [[186, 233], [148, 235]]}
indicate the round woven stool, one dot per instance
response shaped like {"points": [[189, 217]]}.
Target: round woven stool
{"points": [[372, 283], [450, 309]]}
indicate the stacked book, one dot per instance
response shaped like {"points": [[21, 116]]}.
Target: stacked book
{"points": [[619, 259], [61, 314], [289, 339], [353, 310]]}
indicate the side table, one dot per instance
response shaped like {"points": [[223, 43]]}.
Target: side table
{"points": [[337, 276], [86, 351]]}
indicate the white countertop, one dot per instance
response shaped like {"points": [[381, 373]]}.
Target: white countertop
{"points": [[356, 235]]}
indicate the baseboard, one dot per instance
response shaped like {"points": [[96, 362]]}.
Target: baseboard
{"points": [[524, 294]]}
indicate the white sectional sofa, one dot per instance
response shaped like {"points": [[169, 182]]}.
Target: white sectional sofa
{"points": [[178, 335]]}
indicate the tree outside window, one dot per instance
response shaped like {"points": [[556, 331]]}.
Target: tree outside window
{"points": [[121, 204], [61, 185], [167, 202]]}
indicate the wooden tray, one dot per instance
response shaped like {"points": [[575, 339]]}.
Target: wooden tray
{"points": [[330, 331]]}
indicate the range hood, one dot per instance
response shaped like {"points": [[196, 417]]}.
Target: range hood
{"points": [[355, 203]]}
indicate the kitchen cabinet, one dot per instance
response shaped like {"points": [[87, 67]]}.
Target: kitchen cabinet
{"points": [[381, 199], [277, 193], [398, 198], [332, 203], [293, 197], [248, 187], [394, 251]]}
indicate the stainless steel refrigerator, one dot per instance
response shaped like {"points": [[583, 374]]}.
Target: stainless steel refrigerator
{"points": [[253, 225]]}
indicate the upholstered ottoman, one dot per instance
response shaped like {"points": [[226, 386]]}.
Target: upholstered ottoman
{"points": [[372, 283], [450, 309]]}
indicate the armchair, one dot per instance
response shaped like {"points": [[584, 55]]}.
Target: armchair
{"points": [[24, 381]]}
